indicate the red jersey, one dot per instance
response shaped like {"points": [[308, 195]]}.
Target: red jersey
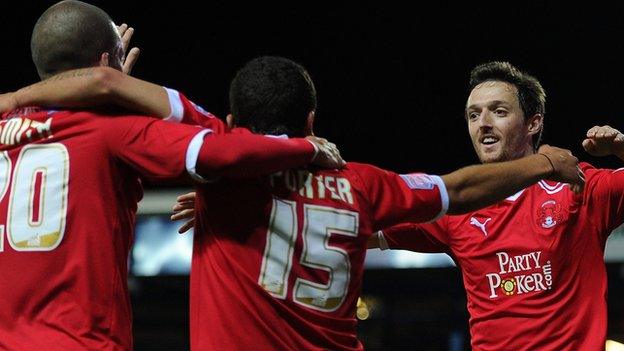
{"points": [[533, 264], [69, 187], [186, 111], [278, 260]]}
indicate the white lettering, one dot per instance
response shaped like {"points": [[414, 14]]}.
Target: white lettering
{"points": [[494, 280], [12, 127], [344, 190], [25, 126], [307, 180], [528, 282], [539, 285], [520, 284], [301, 181], [45, 128], [536, 257], [519, 263], [321, 187], [13, 131], [328, 184], [503, 259], [548, 274]]}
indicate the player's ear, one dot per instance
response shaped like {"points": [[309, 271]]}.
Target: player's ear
{"points": [[230, 121], [309, 128], [535, 123], [104, 60]]}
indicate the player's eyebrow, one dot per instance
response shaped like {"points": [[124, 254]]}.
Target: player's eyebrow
{"points": [[489, 103], [498, 103]]}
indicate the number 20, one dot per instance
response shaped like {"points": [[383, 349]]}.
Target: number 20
{"points": [[37, 207], [320, 223]]}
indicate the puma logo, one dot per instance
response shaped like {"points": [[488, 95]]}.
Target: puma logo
{"points": [[480, 225]]}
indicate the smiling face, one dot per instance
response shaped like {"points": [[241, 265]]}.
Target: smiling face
{"points": [[496, 123]]}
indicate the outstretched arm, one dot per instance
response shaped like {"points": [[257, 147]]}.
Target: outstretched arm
{"points": [[237, 155], [474, 187]]}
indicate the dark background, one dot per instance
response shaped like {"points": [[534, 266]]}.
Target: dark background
{"points": [[391, 79], [392, 84]]}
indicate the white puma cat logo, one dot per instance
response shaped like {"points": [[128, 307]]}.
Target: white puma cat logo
{"points": [[480, 225]]}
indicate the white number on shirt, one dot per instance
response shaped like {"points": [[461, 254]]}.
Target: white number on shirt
{"points": [[319, 224], [37, 206]]}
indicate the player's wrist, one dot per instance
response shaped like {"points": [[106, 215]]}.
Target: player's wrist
{"points": [[12, 101], [549, 166], [316, 149]]}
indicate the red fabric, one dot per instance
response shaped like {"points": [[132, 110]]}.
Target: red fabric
{"points": [[193, 114], [74, 296], [242, 154], [239, 298], [547, 234]]}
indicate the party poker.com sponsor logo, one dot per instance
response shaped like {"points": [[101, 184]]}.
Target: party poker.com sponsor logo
{"points": [[520, 274]]}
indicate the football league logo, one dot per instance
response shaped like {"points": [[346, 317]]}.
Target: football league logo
{"points": [[549, 214]]}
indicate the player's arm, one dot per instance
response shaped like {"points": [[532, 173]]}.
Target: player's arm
{"points": [[605, 187], [89, 87], [420, 237], [164, 151], [474, 187], [396, 199], [237, 155]]}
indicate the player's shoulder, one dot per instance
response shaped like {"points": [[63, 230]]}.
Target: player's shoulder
{"points": [[99, 114], [22, 112], [357, 174], [179, 102], [114, 118], [361, 168], [36, 117], [594, 175], [586, 166], [34, 113], [350, 170]]}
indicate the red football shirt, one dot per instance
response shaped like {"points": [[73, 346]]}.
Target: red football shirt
{"points": [[533, 264], [69, 187], [278, 261]]}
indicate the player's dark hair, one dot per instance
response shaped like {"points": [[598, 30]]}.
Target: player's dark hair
{"points": [[72, 34], [531, 94], [272, 95]]}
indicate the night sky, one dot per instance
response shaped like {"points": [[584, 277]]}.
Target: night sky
{"points": [[391, 79]]}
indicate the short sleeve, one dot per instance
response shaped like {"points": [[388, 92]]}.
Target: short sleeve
{"points": [[419, 237], [185, 111], [604, 197], [157, 150], [398, 198]]}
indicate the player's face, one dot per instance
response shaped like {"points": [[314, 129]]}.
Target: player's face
{"points": [[496, 122]]}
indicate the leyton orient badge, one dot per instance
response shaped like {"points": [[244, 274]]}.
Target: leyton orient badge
{"points": [[549, 214]]}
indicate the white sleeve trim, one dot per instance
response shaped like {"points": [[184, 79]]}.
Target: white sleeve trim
{"points": [[175, 104], [192, 154], [381, 241], [443, 196]]}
